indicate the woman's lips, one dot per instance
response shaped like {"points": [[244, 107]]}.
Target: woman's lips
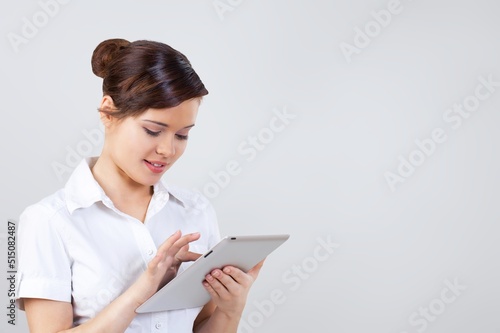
{"points": [[155, 166]]}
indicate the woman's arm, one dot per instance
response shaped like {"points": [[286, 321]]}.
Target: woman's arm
{"points": [[228, 289], [45, 316]]}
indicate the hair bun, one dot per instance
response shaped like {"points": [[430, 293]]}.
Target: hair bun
{"points": [[104, 53]]}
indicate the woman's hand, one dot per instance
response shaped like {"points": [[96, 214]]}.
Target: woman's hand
{"points": [[164, 266], [229, 288]]}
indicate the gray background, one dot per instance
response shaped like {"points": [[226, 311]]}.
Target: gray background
{"points": [[323, 175]]}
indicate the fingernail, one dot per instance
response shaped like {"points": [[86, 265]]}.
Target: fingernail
{"points": [[216, 273], [227, 270]]}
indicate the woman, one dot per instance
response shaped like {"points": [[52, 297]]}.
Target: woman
{"points": [[94, 251]]}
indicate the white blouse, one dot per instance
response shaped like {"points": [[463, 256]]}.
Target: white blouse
{"points": [[75, 246]]}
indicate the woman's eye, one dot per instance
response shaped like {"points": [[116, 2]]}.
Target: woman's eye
{"points": [[152, 133], [181, 137]]}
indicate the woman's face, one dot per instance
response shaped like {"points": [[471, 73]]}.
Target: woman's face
{"points": [[142, 148]]}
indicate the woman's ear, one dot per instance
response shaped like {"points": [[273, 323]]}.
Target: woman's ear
{"points": [[108, 106]]}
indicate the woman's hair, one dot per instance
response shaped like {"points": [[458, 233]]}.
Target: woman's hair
{"points": [[144, 74]]}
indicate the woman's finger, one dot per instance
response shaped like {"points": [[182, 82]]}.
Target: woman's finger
{"points": [[169, 241], [254, 271], [187, 256], [238, 275], [231, 284], [216, 285], [176, 242], [180, 243]]}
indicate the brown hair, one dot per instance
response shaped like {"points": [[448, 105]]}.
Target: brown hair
{"points": [[144, 74]]}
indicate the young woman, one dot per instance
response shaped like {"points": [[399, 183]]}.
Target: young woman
{"points": [[94, 251]]}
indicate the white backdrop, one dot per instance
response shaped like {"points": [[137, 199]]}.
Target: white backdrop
{"points": [[366, 129]]}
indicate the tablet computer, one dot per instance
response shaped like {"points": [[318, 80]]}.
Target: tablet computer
{"points": [[186, 289]]}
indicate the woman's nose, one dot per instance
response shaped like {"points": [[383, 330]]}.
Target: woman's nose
{"points": [[166, 147]]}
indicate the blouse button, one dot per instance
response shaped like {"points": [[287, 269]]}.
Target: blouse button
{"points": [[150, 252], [158, 326]]}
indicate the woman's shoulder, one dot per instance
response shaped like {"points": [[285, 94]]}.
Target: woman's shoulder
{"points": [[46, 208]]}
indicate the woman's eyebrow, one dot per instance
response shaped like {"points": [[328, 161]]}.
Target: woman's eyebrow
{"points": [[163, 124]]}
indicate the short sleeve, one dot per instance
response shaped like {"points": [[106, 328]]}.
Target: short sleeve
{"points": [[44, 265]]}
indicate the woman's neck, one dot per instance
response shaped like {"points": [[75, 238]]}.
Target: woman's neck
{"points": [[118, 186]]}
